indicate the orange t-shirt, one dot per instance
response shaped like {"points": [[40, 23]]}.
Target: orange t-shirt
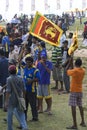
{"points": [[77, 75]]}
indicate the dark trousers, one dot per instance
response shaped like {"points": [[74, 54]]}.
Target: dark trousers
{"points": [[7, 54], [66, 80], [1, 101], [31, 98]]}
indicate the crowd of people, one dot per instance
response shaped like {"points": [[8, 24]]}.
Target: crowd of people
{"points": [[25, 66]]}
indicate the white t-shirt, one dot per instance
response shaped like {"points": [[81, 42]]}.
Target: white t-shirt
{"points": [[62, 39]]}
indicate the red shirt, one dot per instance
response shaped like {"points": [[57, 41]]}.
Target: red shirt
{"points": [[85, 28]]}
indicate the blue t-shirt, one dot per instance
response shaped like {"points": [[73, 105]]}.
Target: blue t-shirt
{"points": [[6, 42], [30, 73], [45, 76]]}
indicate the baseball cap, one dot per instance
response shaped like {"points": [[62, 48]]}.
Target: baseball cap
{"points": [[12, 68], [44, 55]]}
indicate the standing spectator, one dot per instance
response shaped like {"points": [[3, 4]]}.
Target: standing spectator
{"points": [[27, 53], [80, 17], [35, 48], [64, 27], [75, 99], [5, 43], [62, 39], [65, 64], [13, 54], [11, 98], [25, 36], [16, 112], [85, 31], [70, 39], [57, 67], [31, 76], [9, 28], [2, 33], [41, 50], [3, 72], [45, 67]]}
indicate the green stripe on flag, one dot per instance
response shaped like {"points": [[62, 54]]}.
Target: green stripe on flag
{"points": [[36, 21]]}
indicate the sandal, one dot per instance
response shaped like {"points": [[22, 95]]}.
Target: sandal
{"points": [[72, 127], [40, 111]]}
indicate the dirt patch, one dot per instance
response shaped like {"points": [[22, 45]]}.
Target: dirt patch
{"points": [[77, 53], [80, 53]]}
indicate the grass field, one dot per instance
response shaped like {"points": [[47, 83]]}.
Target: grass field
{"points": [[61, 117]]}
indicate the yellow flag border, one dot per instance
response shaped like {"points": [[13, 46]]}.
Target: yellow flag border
{"points": [[58, 28], [76, 35]]}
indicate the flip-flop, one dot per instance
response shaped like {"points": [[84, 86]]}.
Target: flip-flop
{"points": [[72, 127]]}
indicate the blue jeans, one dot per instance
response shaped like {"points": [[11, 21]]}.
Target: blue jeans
{"points": [[19, 115]]}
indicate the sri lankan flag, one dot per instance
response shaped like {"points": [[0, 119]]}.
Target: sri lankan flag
{"points": [[45, 30], [74, 44]]}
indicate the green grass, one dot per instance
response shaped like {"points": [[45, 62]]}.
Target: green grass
{"points": [[78, 25], [58, 121], [61, 117]]}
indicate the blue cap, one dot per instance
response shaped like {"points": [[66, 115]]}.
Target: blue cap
{"points": [[44, 55]]}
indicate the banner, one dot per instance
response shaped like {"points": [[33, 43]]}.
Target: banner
{"points": [[20, 5], [32, 5], [74, 45], [45, 30]]}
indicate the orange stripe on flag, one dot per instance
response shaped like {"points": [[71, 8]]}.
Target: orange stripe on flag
{"points": [[38, 25]]}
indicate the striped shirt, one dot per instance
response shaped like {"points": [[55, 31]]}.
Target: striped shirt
{"points": [[56, 53]]}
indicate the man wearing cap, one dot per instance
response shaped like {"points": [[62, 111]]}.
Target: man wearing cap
{"points": [[45, 67], [11, 103], [18, 72], [41, 50]]}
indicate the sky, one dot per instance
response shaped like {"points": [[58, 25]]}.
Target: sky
{"points": [[14, 7]]}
